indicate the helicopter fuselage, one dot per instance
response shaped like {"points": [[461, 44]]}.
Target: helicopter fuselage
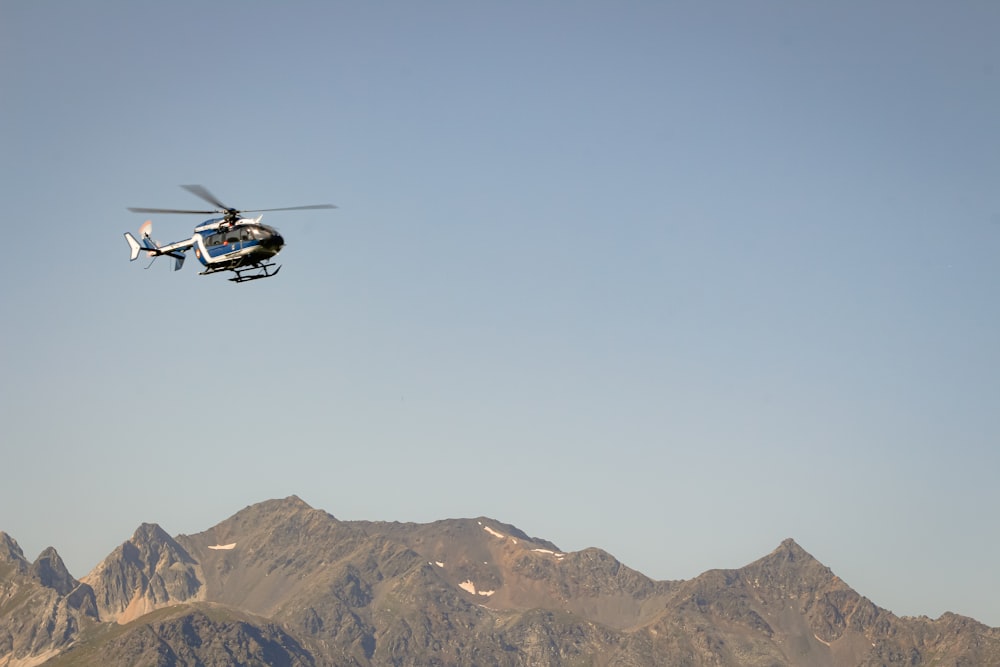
{"points": [[221, 246]]}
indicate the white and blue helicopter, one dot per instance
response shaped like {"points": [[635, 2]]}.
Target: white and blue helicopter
{"points": [[230, 243]]}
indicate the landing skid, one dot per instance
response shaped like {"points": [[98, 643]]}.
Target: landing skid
{"points": [[252, 272], [255, 272]]}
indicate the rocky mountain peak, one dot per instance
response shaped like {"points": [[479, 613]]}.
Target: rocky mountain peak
{"points": [[791, 573], [42, 607], [152, 544], [150, 532], [149, 571], [790, 550], [791, 561], [289, 505], [10, 551], [288, 512], [50, 571], [294, 501]]}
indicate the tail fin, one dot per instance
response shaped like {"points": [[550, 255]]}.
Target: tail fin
{"points": [[145, 231], [146, 243], [134, 246]]}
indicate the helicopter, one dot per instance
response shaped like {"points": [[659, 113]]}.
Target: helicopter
{"points": [[244, 246]]}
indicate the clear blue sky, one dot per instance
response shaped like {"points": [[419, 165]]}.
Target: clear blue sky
{"points": [[677, 280]]}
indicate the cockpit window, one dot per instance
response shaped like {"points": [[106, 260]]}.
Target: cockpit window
{"points": [[215, 240], [244, 233]]}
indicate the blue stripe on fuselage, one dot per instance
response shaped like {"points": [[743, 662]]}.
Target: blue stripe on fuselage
{"points": [[217, 251]]}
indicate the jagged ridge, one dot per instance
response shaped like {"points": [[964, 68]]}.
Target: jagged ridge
{"points": [[282, 583]]}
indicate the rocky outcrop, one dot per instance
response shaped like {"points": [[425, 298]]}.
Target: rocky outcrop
{"points": [[42, 607], [148, 572]]}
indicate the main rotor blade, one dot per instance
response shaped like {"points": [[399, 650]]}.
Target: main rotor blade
{"points": [[289, 208], [202, 192], [167, 210]]}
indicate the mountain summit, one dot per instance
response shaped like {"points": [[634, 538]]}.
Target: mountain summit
{"points": [[283, 583], [147, 572]]}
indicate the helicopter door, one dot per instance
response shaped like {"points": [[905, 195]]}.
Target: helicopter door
{"points": [[233, 243]]}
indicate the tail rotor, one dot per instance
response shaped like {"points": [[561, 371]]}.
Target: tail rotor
{"points": [[146, 243]]}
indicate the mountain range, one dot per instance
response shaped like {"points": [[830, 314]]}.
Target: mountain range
{"points": [[282, 583]]}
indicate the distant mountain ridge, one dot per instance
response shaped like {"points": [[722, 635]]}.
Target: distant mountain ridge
{"points": [[282, 583]]}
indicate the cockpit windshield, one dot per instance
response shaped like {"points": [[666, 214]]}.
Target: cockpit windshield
{"points": [[240, 233]]}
